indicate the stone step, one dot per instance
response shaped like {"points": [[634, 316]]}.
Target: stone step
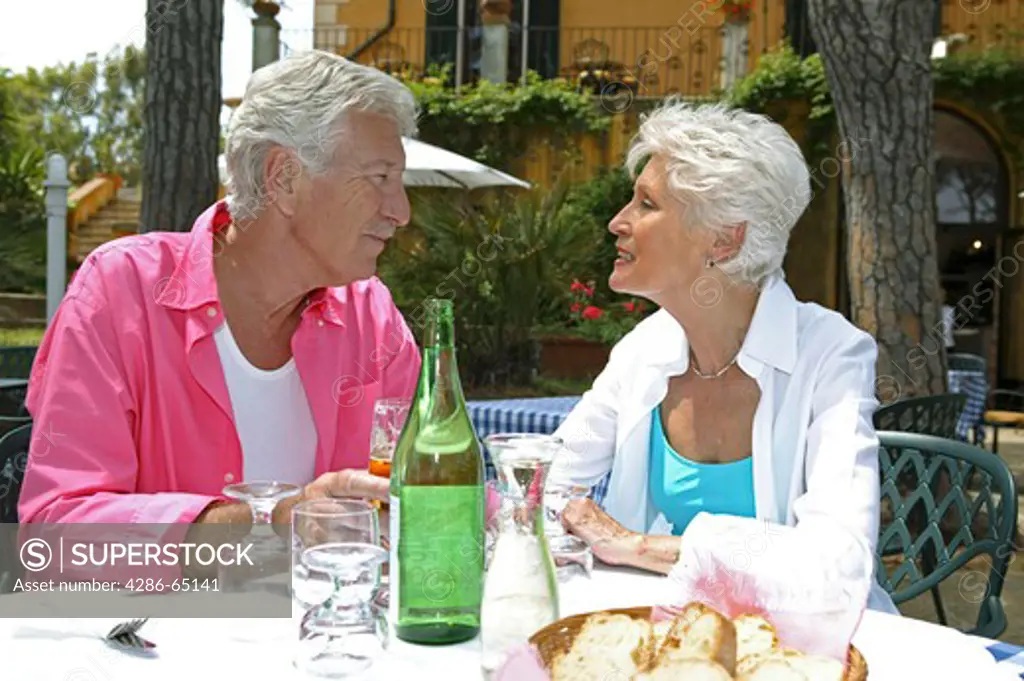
{"points": [[109, 218]]}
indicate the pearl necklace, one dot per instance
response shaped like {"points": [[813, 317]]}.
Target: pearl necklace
{"points": [[693, 365]]}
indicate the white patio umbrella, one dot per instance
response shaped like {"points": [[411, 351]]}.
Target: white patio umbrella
{"points": [[430, 166]]}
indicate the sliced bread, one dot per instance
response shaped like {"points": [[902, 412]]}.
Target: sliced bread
{"points": [[686, 670], [607, 647], [711, 636]]}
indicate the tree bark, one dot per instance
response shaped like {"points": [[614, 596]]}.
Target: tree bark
{"points": [[182, 116], [877, 57]]}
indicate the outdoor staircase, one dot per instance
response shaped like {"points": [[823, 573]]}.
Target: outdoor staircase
{"points": [[119, 217]]}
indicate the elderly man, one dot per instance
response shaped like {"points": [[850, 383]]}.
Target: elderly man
{"points": [[251, 348]]}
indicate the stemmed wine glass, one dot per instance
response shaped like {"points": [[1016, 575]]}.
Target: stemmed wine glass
{"points": [[339, 538], [268, 553]]}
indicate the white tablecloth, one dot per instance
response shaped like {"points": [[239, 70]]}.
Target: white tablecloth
{"points": [[897, 649]]}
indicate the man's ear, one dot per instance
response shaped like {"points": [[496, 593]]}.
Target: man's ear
{"points": [[281, 173]]}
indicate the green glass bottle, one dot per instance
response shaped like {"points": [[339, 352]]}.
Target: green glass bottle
{"points": [[437, 501]]}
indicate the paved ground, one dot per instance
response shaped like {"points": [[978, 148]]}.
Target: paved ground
{"points": [[962, 593]]}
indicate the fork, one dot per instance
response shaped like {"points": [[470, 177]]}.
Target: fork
{"points": [[125, 635]]}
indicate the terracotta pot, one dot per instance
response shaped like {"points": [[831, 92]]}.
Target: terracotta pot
{"points": [[572, 358]]}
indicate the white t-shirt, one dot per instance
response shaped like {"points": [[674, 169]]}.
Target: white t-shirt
{"points": [[272, 415]]}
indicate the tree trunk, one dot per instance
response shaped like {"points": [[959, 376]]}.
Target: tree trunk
{"points": [[182, 117], [877, 59]]}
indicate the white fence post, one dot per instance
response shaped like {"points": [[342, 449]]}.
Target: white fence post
{"points": [[56, 231]]}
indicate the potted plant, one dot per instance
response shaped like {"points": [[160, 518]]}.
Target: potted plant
{"points": [[579, 348], [737, 11]]}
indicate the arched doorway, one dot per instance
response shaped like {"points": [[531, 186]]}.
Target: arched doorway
{"points": [[972, 216]]}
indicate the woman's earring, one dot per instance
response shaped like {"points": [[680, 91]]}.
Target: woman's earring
{"points": [[709, 263]]}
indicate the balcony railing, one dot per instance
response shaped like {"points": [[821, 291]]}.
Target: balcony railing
{"points": [[653, 61]]}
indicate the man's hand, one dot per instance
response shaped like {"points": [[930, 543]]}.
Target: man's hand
{"points": [[351, 484]]}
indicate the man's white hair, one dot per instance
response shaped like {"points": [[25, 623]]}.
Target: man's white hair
{"points": [[728, 166], [298, 103]]}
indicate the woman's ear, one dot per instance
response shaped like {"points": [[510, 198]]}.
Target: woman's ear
{"points": [[728, 242]]}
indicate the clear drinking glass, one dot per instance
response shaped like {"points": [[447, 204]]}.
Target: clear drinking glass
{"points": [[520, 590], [269, 552], [573, 557], [556, 498], [389, 416], [337, 543]]}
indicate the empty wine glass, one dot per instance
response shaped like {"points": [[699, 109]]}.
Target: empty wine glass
{"points": [[269, 553], [337, 541]]}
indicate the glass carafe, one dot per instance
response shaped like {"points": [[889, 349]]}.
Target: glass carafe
{"points": [[520, 589]]}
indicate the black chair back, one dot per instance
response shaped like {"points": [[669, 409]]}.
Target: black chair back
{"points": [[938, 528], [933, 415], [962, 361], [13, 460], [16, 361]]}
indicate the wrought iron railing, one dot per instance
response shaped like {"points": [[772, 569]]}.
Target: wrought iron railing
{"points": [[652, 61]]}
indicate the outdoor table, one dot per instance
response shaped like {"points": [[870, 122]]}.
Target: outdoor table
{"points": [[896, 648]]}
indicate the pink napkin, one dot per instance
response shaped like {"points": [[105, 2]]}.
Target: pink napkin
{"points": [[493, 502], [813, 587], [523, 664]]}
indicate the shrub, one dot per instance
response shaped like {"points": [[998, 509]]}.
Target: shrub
{"points": [[504, 260]]}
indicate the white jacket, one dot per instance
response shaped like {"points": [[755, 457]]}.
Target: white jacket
{"points": [[815, 452]]}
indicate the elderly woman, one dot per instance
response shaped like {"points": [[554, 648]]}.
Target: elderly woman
{"points": [[734, 399], [251, 348]]}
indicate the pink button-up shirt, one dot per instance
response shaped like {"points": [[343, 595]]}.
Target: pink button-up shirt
{"points": [[132, 417]]}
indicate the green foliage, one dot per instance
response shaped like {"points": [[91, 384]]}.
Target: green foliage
{"points": [[782, 77], [595, 203], [504, 261], [988, 81], [22, 221], [491, 122], [89, 112], [118, 141], [991, 80], [21, 337]]}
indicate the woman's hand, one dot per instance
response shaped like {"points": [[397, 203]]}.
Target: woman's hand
{"points": [[615, 545], [611, 543]]}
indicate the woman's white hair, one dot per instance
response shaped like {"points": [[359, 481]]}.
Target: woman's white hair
{"points": [[728, 166], [298, 103]]}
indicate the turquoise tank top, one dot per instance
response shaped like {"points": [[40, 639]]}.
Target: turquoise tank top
{"points": [[681, 488]]}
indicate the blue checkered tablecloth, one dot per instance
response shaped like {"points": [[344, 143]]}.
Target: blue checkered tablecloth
{"points": [[975, 386], [541, 415], [1008, 656], [528, 415]]}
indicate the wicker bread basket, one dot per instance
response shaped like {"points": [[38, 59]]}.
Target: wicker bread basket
{"points": [[558, 637]]}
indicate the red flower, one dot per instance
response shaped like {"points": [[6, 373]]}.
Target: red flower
{"points": [[577, 286], [576, 307], [591, 312], [589, 290], [629, 307]]}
